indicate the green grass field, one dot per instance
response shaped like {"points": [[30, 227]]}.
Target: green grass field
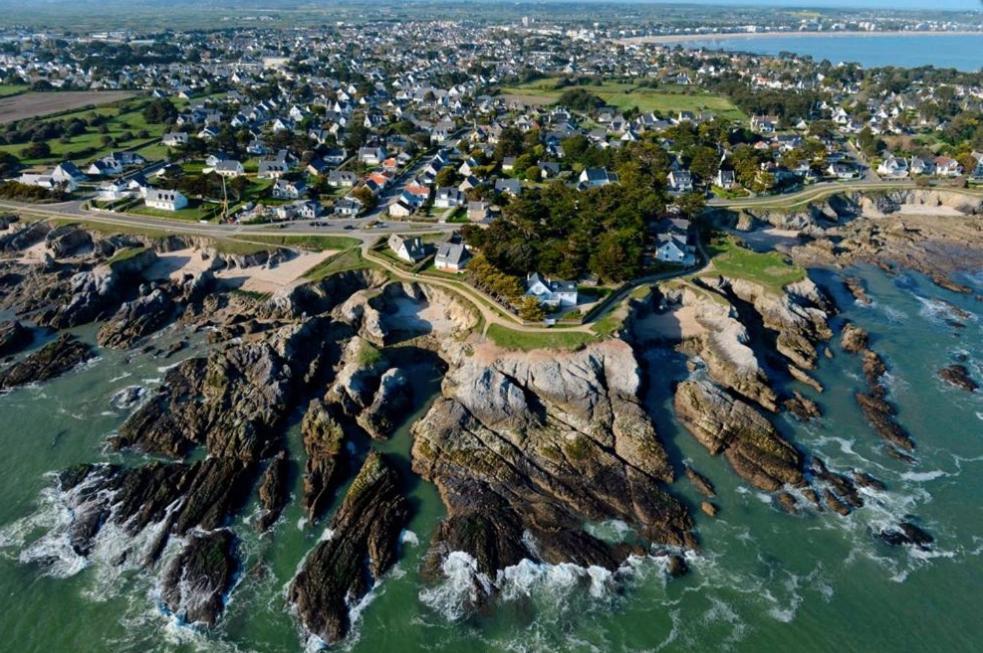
{"points": [[195, 211], [666, 100], [769, 269], [125, 118], [529, 340], [11, 89], [342, 262]]}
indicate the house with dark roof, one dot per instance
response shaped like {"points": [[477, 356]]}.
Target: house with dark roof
{"points": [[409, 249], [451, 256], [553, 293]]}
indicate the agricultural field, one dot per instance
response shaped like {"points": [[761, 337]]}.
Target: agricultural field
{"points": [[15, 105], [667, 100]]}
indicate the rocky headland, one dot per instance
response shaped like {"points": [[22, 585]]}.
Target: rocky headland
{"points": [[527, 449]]}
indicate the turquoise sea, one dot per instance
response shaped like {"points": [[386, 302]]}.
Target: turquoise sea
{"points": [[763, 581], [960, 51]]}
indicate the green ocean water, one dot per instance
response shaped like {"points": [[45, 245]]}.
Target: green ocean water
{"points": [[763, 580]]}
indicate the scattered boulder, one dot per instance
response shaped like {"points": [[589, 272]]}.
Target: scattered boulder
{"points": [[708, 508], [700, 482]]}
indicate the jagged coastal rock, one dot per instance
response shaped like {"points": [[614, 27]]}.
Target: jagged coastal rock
{"points": [[359, 549], [524, 447], [14, 337], [54, 359]]}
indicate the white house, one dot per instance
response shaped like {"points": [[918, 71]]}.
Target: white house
{"points": [[448, 198], [175, 139], [229, 168], [594, 177], [893, 166], [674, 248], [551, 292], [680, 181], [165, 200], [410, 250]]}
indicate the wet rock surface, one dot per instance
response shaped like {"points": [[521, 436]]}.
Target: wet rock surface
{"points": [[880, 414], [732, 427], [360, 549], [61, 355], [195, 583], [14, 337], [323, 439], [958, 376]]}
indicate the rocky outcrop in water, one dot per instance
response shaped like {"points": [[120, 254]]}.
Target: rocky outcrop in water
{"points": [[233, 401], [873, 403], [195, 583], [360, 548], [732, 427], [14, 336], [54, 359], [136, 319], [526, 447], [273, 490], [957, 375]]}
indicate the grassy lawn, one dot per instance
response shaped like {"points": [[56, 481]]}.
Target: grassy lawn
{"points": [[312, 243], [11, 89], [769, 269], [528, 340], [194, 211], [125, 254], [624, 96], [341, 262]]}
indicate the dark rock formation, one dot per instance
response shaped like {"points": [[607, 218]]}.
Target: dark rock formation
{"points": [[323, 437], [54, 359], [958, 376], [390, 406], [14, 336], [233, 401], [67, 239], [361, 548], [873, 404], [802, 407], [906, 534], [273, 490], [196, 581], [724, 424], [700, 482], [136, 319]]}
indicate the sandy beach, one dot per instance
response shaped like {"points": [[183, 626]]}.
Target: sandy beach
{"points": [[257, 278]]}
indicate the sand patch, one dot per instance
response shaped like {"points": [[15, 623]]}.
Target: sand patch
{"points": [[267, 280], [257, 278]]}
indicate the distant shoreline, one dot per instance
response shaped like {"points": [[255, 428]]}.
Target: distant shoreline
{"points": [[749, 36]]}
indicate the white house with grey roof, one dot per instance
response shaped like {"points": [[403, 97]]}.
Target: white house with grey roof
{"points": [[553, 293]]}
